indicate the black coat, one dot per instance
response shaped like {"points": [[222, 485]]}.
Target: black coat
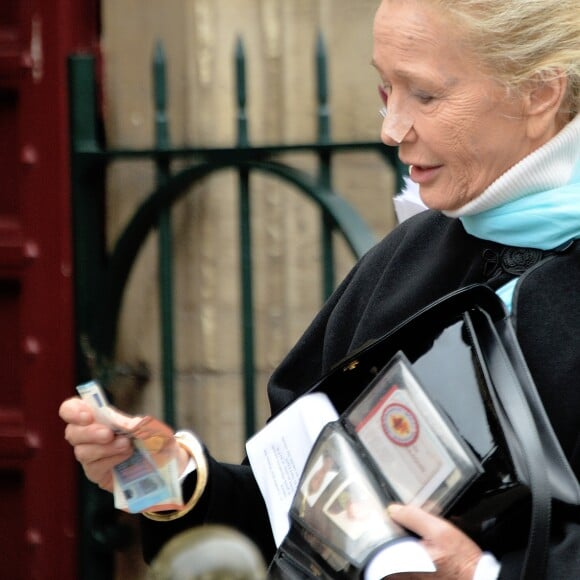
{"points": [[421, 260]]}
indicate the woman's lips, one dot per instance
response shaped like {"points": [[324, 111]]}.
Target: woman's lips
{"points": [[423, 173]]}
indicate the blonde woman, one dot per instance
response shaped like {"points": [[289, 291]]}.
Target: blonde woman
{"points": [[481, 98]]}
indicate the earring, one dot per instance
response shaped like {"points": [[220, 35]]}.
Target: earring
{"points": [[383, 112]]}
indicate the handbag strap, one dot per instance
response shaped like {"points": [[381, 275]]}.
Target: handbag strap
{"points": [[514, 405], [564, 485]]}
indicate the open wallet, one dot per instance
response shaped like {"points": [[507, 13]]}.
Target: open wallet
{"points": [[441, 412], [391, 445]]}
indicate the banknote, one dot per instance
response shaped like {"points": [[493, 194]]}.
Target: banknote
{"points": [[149, 479]]}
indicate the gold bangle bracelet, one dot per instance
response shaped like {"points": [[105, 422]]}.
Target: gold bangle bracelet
{"points": [[192, 445]]}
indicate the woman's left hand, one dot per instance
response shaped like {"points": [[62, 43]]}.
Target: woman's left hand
{"points": [[454, 554]]}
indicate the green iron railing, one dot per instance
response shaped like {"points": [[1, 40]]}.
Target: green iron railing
{"points": [[101, 276]]}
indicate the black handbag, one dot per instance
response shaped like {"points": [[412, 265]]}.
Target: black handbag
{"points": [[464, 353]]}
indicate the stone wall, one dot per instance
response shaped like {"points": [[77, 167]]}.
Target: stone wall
{"points": [[199, 38]]}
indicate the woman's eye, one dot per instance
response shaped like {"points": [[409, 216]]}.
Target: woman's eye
{"points": [[384, 94], [424, 98]]}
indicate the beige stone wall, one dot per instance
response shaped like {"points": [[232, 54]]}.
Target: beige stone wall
{"points": [[199, 38]]}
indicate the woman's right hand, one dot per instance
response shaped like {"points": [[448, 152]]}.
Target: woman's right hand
{"points": [[97, 448]]}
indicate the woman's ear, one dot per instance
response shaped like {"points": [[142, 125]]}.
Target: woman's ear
{"points": [[542, 103]]}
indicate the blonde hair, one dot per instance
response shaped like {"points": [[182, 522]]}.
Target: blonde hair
{"points": [[524, 40]]}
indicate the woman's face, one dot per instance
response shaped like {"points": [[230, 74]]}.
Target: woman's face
{"points": [[454, 125]]}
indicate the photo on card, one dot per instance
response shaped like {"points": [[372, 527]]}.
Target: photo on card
{"points": [[354, 508], [321, 474]]}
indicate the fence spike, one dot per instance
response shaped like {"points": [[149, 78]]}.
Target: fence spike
{"points": [[160, 96], [322, 90], [240, 60]]}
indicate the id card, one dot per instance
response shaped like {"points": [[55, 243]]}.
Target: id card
{"points": [[401, 442], [418, 453]]}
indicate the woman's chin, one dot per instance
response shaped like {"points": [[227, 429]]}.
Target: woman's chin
{"points": [[434, 200]]}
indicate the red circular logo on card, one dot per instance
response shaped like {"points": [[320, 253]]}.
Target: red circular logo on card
{"points": [[400, 424]]}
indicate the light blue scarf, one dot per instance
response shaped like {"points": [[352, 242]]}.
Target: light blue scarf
{"points": [[536, 204], [544, 219]]}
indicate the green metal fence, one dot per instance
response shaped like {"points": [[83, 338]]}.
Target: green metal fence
{"points": [[101, 276]]}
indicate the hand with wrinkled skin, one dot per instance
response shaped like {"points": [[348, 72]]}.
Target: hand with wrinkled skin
{"points": [[454, 554], [97, 448]]}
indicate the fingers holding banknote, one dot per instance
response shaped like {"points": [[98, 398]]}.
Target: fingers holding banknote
{"points": [[96, 446]]}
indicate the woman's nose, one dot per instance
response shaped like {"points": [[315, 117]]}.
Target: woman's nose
{"points": [[396, 126]]}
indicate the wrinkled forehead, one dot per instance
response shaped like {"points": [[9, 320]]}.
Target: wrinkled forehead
{"points": [[420, 16], [410, 32]]}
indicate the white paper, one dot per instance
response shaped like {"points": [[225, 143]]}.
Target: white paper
{"points": [[278, 454], [408, 202]]}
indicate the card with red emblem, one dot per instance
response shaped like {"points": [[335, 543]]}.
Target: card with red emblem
{"points": [[413, 446]]}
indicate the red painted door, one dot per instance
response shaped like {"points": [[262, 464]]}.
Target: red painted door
{"points": [[38, 521]]}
